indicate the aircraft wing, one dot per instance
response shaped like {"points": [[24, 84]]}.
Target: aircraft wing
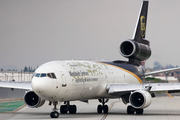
{"points": [[162, 71], [16, 85], [152, 87]]}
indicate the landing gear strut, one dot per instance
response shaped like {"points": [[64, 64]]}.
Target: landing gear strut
{"points": [[54, 114], [65, 108], [102, 107], [131, 110]]}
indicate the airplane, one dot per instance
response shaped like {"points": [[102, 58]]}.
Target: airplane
{"points": [[71, 80]]}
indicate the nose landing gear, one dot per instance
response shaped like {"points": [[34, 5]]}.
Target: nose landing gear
{"points": [[54, 114]]}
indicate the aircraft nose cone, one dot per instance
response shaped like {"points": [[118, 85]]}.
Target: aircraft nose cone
{"points": [[38, 85]]}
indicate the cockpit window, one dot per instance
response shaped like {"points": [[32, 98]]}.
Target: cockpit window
{"points": [[53, 75], [37, 75], [43, 74], [50, 75]]}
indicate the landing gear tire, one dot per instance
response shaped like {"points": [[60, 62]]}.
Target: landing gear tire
{"points": [[139, 111], [72, 109], [63, 109], [54, 114], [99, 109], [103, 106], [130, 110], [105, 109]]}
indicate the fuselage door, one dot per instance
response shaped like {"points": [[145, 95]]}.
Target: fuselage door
{"points": [[63, 79]]}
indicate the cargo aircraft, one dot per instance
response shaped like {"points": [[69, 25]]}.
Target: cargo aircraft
{"points": [[71, 80]]}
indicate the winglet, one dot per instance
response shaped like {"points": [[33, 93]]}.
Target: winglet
{"points": [[140, 30]]}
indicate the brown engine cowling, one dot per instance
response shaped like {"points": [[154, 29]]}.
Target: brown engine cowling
{"points": [[135, 50]]}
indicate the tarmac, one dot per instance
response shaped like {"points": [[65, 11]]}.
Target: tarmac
{"points": [[162, 107]]}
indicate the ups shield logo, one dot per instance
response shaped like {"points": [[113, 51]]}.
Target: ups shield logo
{"points": [[143, 26]]}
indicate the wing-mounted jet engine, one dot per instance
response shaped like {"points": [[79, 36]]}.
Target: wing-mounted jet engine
{"points": [[32, 100], [140, 99], [137, 49]]}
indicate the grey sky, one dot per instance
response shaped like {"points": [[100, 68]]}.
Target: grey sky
{"points": [[34, 32]]}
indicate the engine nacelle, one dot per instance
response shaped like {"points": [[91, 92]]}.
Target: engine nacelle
{"points": [[133, 49], [33, 100], [140, 99]]}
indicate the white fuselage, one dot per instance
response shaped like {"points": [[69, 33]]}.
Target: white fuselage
{"points": [[78, 80]]}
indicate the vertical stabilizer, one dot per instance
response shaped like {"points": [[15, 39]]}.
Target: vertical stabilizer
{"points": [[140, 30]]}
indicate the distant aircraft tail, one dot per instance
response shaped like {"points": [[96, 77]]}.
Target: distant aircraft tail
{"points": [[137, 49]]}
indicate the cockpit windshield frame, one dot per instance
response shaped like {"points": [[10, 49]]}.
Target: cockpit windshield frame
{"points": [[50, 75]]}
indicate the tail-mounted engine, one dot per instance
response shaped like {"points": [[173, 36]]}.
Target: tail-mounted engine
{"points": [[136, 52], [33, 100], [137, 49], [140, 99]]}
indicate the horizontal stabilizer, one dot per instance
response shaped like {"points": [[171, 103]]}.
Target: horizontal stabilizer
{"points": [[162, 71]]}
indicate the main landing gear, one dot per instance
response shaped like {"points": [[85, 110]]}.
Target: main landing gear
{"points": [[65, 108], [102, 107], [131, 110]]}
